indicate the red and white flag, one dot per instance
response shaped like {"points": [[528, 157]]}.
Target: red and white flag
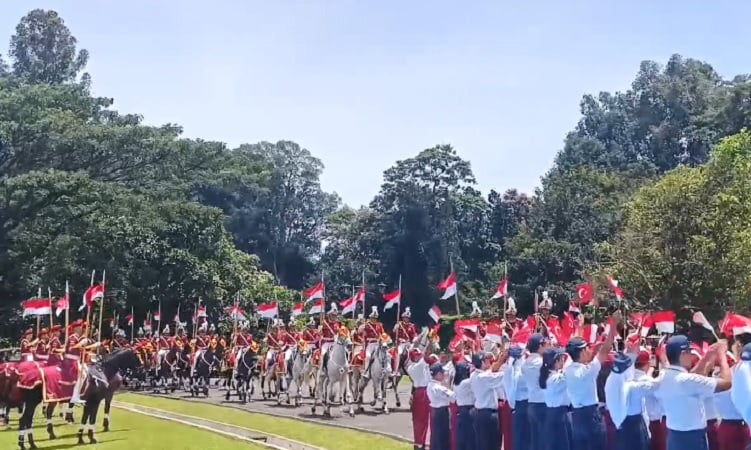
{"points": [[644, 321], [392, 299], [494, 333], [448, 286], [573, 307], [314, 293], [348, 305], [360, 296], [589, 333], [95, 292], [63, 304], [501, 290], [147, 324], [129, 318], [235, 312], [298, 309], [201, 312], [664, 321], [735, 324], [268, 310], [37, 307], [318, 307], [614, 286], [158, 316], [585, 293], [435, 313]]}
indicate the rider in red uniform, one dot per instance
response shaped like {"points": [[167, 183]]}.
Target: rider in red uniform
{"points": [[274, 342], [41, 349], [311, 334], [513, 323], [404, 332], [27, 349], [56, 348], [371, 331], [329, 330]]}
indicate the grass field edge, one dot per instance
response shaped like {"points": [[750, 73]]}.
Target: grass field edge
{"points": [[384, 434]]}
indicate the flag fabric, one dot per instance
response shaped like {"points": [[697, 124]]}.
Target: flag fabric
{"points": [[589, 333], [147, 324], [236, 313], [585, 293], [573, 307], [201, 311], [699, 319], [644, 322], [360, 296], [314, 293], [37, 307], [664, 321], [494, 333], [318, 307], [392, 299], [448, 286], [129, 318], [348, 305], [466, 324], [520, 337], [268, 310], [501, 290], [614, 286], [93, 293], [62, 304], [158, 316], [435, 313], [735, 324], [297, 309]]}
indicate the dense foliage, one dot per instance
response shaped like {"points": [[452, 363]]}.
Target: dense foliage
{"points": [[640, 190]]}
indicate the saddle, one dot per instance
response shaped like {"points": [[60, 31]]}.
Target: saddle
{"points": [[316, 357], [95, 373], [281, 364], [358, 358]]}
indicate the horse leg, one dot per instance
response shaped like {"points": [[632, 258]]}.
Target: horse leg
{"points": [[107, 405], [25, 421], [48, 414], [93, 410], [84, 422], [69, 414], [395, 382]]}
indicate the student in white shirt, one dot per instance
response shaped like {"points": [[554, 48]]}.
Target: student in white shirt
{"points": [[553, 383], [682, 393], [440, 397], [589, 431], [516, 395], [419, 373], [465, 403], [625, 397], [530, 376], [485, 383]]}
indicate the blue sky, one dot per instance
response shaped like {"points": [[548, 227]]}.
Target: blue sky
{"points": [[363, 84]]}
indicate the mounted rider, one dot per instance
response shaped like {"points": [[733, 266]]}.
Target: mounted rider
{"points": [[163, 345], [546, 305], [274, 341], [371, 331], [41, 347], [75, 357], [56, 348], [404, 332], [311, 335], [200, 344], [290, 338], [329, 330], [27, 349], [512, 323]]}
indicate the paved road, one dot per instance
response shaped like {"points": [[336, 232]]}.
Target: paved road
{"points": [[397, 423]]}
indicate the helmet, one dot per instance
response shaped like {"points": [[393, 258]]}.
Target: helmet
{"points": [[333, 309], [511, 306], [476, 311], [166, 329], [407, 313], [546, 302], [373, 312]]}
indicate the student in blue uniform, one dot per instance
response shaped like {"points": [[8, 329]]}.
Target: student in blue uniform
{"points": [[589, 431], [440, 397], [536, 408], [626, 402], [465, 403], [486, 381], [557, 433], [516, 395], [682, 393]]}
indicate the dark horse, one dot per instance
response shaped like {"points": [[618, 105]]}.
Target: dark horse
{"points": [[101, 383], [205, 364], [173, 367], [246, 368]]}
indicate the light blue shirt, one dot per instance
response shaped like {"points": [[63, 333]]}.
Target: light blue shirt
{"points": [[439, 395], [463, 393], [682, 397], [555, 390], [484, 385], [512, 382], [531, 378], [581, 383]]}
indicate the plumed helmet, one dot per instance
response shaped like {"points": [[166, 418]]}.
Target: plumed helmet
{"points": [[373, 312], [407, 312], [546, 302], [476, 311], [312, 322], [510, 306], [333, 309], [166, 329]]}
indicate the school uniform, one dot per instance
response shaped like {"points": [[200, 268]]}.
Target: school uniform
{"points": [[655, 415], [465, 425], [420, 376], [740, 392], [588, 426], [439, 397], [536, 408], [517, 398], [732, 432], [484, 385], [557, 434], [711, 411], [626, 400]]}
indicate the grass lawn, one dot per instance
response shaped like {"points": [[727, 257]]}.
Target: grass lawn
{"points": [[129, 431], [322, 436]]}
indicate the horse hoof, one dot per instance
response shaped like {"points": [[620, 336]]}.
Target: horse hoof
{"points": [[372, 403], [21, 446], [51, 431], [398, 404]]}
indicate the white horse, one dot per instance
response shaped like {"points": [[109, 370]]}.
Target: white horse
{"points": [[379, 371], [426, 343], [300, 369], [334, 372]]}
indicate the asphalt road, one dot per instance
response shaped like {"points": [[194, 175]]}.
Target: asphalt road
{"points": [[396, 423]]}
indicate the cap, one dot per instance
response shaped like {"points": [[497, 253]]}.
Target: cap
{"points": [[515, 352], [551, 355], [746, 353], [461, 370], [55, 328], [621, 362], [643, 357], [676, 345], [575, 345], [535, 341], [478, 359], [28, 332], [435, 369]]}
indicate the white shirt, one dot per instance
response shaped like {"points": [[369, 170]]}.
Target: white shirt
{"points": [[710, 409], [419, 372], [450, 372], [512, 383], [463, 393], [682, 397], [439, 395], [555, 390], [638, 390], [484, 384], [726, 410], [651, 404], [531, 378], [581, 383]]}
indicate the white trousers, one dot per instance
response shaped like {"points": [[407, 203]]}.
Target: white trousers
{"points": [[325, 347], [270, 358], [370, 348], [199, 353]]}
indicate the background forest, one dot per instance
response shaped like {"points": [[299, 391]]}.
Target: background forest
{"points": [[652, 186]]}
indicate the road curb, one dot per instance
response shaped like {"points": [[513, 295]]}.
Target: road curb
{"points": [[393, 436]]}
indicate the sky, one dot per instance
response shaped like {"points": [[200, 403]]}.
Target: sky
{"points": [[364, 84]]}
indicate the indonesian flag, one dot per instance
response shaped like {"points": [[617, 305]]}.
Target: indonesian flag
{"points": [[62, 304], [297, 309], [201, 311], [314, 293], [585, 293], [129, 318], [735, 324], [360, 297], [158, 316], [466, 324], [93, 293], [268, 310], [317, 307], [177, 315], [449, 286], [501, 290], [348, 305], [699, 319], [520, 337], [435, 313], [37, 307], [573, 307], [392, 299], [147, 325], [644, 321], [494, 333], [614, 286], [589, 333], [664, 321], [236, 312]]}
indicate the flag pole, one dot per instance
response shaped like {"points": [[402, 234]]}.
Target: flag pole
{"points": [[132, 324], [49, 294], [101, 308], [456, 292], [234, 316], [39, 318], [399, 305], [88, 307], [159, 322], [195, 317], [67, 311], [505, 291], [398, 313], [364, 297], [354, 307]]}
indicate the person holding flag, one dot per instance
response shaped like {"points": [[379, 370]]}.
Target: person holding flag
{"points": [[56, 348], [404, 332], [329, 330], [371, 331]]}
